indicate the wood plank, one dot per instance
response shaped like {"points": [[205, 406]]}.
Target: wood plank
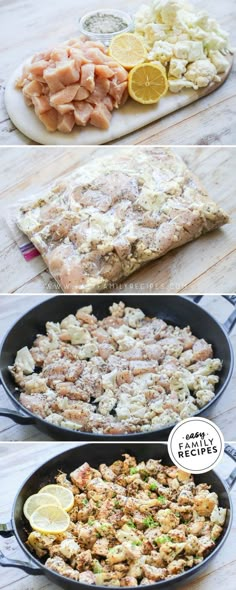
{"points": [[211, 120]]}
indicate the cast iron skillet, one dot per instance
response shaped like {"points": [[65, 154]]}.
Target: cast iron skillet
{"points": [[180, 311], [96, 454]]}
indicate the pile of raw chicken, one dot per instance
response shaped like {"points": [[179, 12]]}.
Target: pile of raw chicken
{"points": [[75, 84], [132, 524]]}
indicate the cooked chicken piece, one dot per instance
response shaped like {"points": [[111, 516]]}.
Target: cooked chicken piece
{"points": [[101, 546], [129, 581], [176, 567], [83, 560], [169, 551], [58, 565], [153, 573], [40, 543], [82, 476], [87, 577]]}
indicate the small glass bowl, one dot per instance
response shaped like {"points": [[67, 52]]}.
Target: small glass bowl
{"points": [[106, 37]]}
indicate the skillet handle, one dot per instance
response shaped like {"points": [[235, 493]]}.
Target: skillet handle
{"points": [[231, 321], [27, 567], [16, 416], [6, 529], [231, 452]]}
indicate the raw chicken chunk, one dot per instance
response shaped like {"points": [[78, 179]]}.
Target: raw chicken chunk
{"points": [[80, 71]]}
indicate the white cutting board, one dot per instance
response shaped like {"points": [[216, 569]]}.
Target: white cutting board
{"points": [[129, 118]]}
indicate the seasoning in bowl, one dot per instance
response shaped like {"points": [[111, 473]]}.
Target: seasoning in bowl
{"points": [[104, 24]]}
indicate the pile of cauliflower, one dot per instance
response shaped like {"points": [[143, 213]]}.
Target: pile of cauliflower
{"points": [[190, 44]]}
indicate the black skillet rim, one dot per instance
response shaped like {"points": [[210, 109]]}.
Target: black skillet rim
{"points": [[128, 436], [160, 584]]}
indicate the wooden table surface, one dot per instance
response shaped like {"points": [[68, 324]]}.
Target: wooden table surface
{"points": [[203, 266], [29, 26], [12, 307], [17, 461]]}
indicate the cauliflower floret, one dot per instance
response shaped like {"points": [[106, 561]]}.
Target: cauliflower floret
{"points": [[155, 32], [86, 309], [88, 351], [169, 11], [201, 73], [173, 29], [25, 361], [134, 316], [177, 67], [204, 396], [35, 384], [218, 515], [131, 404], [168, 520], [143, 16], [126, 343], [117, 309], [54, 419], [167, 417], [162, 51], [216, 531], [215, 41], [204, 503], [109, 380], [106, 403], [78, 335], [70, 320], [178, 85], [119, 333], [168, 551], [69, 548], [189, 50], [220, 61]]}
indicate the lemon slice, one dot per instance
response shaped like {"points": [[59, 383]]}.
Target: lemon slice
{"points": [[128, 50], [50, 519], [64, 495], [37, 500], [147, 83]]}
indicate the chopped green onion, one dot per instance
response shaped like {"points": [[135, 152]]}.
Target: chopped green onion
{"points": [[97, 568], [131, 524], [133, 470], [153, 486], [149, 522], [162, 539], [162, 499]]}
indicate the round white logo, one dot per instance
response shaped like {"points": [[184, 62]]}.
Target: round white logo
{"points": [[196, 445]]}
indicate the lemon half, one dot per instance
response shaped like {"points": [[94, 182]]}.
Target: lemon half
{"points": [[63, 495], [128, 49], [147, 83]]}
